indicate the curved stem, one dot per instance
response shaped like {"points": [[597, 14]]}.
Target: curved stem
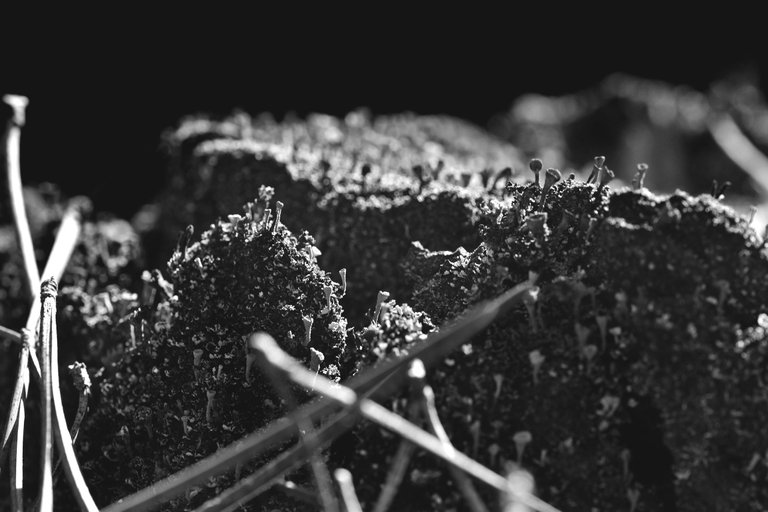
{"points": [[12, 144], [63, 439]]}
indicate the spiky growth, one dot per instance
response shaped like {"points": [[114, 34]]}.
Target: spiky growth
{"points": [[240, 277], [649, 270]]}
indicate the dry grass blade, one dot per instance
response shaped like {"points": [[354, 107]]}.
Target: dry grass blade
{"points": [[63, 438], [47, 320], [348, 494], [12, 145], [426, 399], [319, 469], [253, 485], [82, 382], [436, 346], [404, 450], [391, 421], [379, 414], [19, 390], [13, 171], [16, 337], [65, 241], [17, 468], [10, 334]]}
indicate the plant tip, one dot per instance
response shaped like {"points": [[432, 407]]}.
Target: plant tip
{"points": [[536, 165], [19, 104]]}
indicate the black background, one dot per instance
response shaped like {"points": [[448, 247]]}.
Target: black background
{"points": [[97, 108]]}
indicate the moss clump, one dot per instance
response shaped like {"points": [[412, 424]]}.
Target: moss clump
{"points": [[642, 310], [398, 327], [367, 450], [365, 188], [370, 235], [181, 391]]}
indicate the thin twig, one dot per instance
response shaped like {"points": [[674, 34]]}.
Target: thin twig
{"points": [[379, 414], [426, 399], [389, 420], [304, 426], [403, 454], [47, 320], [265, 477], [433, 349], [347, 487], [10, 334], [395, 475]]}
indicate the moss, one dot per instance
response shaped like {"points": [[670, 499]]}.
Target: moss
{"points": [[180, 391], [367, 450], [637, 366], [370, 235], [366, 188], [97, 327], [643, 303]]}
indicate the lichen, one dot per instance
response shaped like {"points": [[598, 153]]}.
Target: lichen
{"points": [[642, 299], [365, 188], [180, 391]]}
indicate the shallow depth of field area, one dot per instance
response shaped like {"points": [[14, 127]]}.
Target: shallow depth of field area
{"points": [[566, 311]]}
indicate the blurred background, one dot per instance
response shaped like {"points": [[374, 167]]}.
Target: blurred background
{"points": [[670, 99]]}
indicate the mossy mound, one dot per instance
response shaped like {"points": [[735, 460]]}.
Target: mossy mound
{"points": [[366, 188], [367, 450], [639, 337], [188, 386]]}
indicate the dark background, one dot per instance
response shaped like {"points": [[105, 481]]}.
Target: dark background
{"points": [[96, 114]]}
